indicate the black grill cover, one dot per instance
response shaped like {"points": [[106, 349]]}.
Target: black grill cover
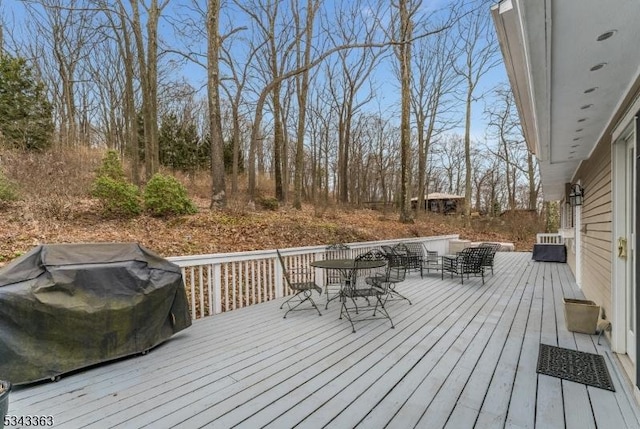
{"points": [[68, 306]]}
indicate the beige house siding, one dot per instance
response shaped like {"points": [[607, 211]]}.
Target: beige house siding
{"points": [[596, 230], [571, 253]]}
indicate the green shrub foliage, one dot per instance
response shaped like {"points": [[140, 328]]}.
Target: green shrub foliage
{"points": [[164, 195], [25, 113], [180, 145], [111, 167], [117, 196], [269, 203]]}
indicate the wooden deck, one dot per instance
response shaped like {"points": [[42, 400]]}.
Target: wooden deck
{"points": [[461, 356]]}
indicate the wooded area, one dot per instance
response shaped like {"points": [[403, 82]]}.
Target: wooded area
{"points": [[351, 101]]}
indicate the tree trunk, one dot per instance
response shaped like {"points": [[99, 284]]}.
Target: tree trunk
{"points": [[302, 107], [406, 30], [218, 196], [467, 156]]}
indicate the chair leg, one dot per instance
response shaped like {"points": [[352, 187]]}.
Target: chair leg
{"points": [[393, 291], [306, 296], [347, 315], [383, 309]]}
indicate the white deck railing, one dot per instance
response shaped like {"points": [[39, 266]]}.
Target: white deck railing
{"points": [[554, 238], [226, 281]]}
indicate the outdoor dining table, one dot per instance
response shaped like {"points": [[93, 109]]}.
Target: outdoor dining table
{"points": [[346, 267]]}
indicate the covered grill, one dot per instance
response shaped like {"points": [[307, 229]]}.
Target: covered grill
{"points": [[68, 306]]}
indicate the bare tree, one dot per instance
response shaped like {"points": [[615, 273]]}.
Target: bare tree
{"points": [[518, 163], [406, 9], [218, 195], [478, 54], [65, 31], [433, 82], [449, 152], [148, 70], [239, 75], [302, 92], [347, 77]]}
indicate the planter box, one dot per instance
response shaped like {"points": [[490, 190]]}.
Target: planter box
{"points": [[581, 315]]}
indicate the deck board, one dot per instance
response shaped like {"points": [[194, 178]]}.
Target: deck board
{"points": [[463, 355]]}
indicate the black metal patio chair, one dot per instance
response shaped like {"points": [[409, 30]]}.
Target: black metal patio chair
{"points": [[334, 279], [395, 273], [412, 255], [427, 259], [359, 286], [490, 256], [302, 286], [468, 261]]}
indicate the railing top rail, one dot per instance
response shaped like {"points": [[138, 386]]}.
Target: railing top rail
{"points": [[191, 260]]}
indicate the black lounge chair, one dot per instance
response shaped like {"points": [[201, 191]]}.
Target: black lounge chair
{"points": [[425, 259], [490, 256], [468, 261]]}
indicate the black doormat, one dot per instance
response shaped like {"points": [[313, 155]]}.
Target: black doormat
{"points": [[581, 367]]}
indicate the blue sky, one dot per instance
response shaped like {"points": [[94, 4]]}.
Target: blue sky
{"points": [[388, 93]]}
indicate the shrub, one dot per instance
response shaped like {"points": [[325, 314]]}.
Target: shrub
{"points": [[118, 198], [8, 190], [111, 167], [269, 203], [164, 195]]}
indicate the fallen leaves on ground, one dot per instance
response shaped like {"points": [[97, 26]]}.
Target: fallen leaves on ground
{"points": [[22, 227]]}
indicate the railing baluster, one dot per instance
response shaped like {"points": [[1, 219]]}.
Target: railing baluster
{"points": [[233, 286], [226, 287], [201, 288], [193, 293]]}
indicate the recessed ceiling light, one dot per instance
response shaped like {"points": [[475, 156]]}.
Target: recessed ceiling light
{"points": [[575, 145], [586, 106], [582, 119], [579, 130], [572, 152], [598, 66], [605, 36], [575, 139], [590, 90], [571, 157]]}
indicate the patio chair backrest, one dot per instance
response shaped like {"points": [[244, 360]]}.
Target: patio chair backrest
{"points": [[337, 250], [490, 254], [415, 248], [295, 277], [359, 274], [473, 259], [285, 273]]}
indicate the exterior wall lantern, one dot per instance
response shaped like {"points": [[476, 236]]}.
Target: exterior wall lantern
{"points": [[576, 195]]}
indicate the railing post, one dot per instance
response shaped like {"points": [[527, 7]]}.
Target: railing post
{"points": [[278, 278], [217, 289], [319, 272]]}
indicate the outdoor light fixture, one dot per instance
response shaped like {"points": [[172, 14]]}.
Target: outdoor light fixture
{"points": [[576, 195]]}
